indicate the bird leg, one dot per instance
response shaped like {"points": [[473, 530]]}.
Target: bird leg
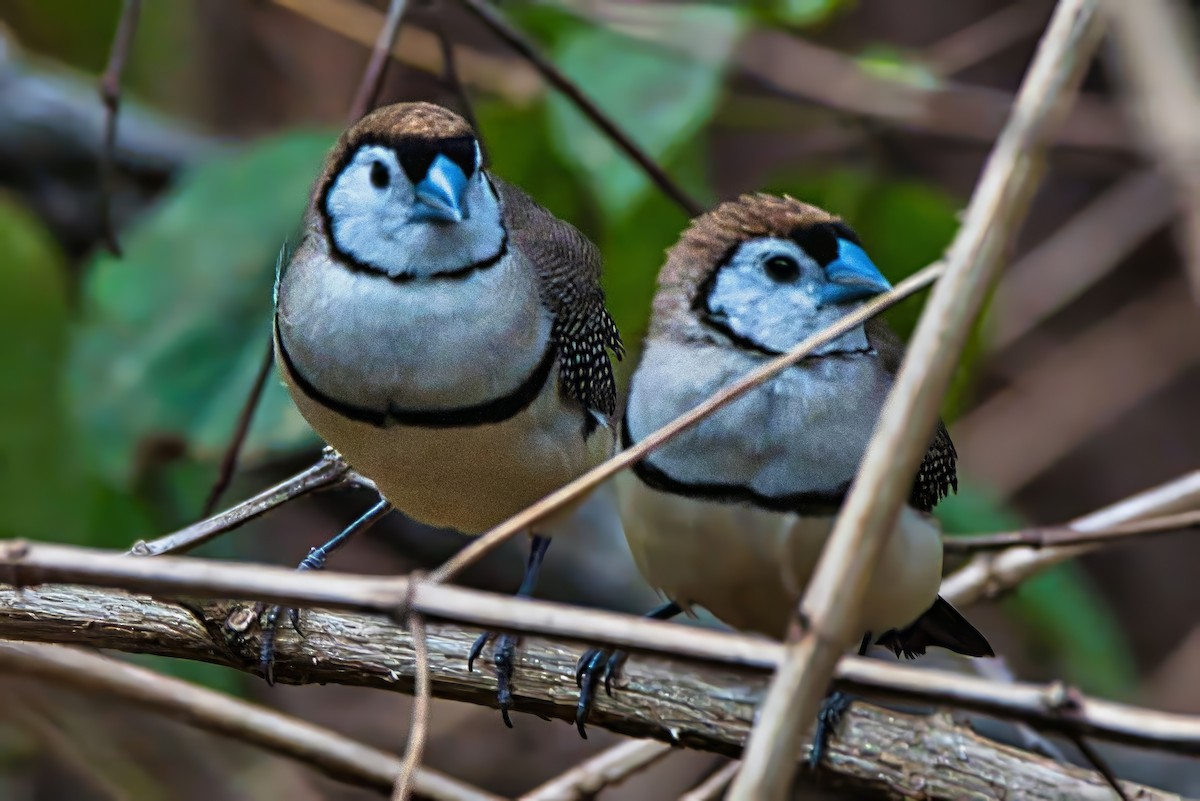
{"points": [[506, 644], [832, 710], [597, 663], [314, 561]]}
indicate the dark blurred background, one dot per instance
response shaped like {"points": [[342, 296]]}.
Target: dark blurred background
{"points": [[125, 375]]}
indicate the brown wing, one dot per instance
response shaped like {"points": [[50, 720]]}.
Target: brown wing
{"points": [[938, 476], [568, 268]]}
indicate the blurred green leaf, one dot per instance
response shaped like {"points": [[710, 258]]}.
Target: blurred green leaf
{"points": [[799, 13], [172, 333], [662, 97], [37, 475], [895, 65], [1060, 611]]}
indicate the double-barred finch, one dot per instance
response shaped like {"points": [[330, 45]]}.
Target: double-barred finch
{"points": [[733, 513], [445, 333]]}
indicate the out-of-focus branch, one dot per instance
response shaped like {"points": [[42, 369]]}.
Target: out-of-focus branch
{"points": [[714, 786], [110, 95], [1081, 252], [326, 751], [829, 610], [559, 80], [372, 79], [1065, 536], [991, 574], [706, 707], [986, 37], [1156, 42], [1082, 384], [328, 472], [611, 766]]}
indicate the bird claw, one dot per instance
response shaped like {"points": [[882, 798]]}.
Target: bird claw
{"points": [[270, 630], [833, 709], [505, 662], [594, 664]]}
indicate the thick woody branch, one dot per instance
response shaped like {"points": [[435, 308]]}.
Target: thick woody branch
{"points": [[829, 610], [321, 749], [878, 753]]}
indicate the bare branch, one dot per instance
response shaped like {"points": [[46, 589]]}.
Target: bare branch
{"points": [[238, 438], [709, 708], [986, 37], [110, 95], [418, 733], [1157, 44], [367, 650], [830, 607], [714, 786], [321, 749], [1064, 536], [559, 80], [989, 575], [611, 766], [331, 470], [372, 79]]}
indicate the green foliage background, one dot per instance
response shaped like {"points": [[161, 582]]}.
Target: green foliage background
{"points": [[161, 345]]}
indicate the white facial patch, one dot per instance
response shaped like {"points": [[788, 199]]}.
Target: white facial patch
{"points": [[370, 210], [766, 295]]}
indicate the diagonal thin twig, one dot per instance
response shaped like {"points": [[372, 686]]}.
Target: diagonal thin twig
{"points": [[830, 607], [233, 449], [329, 471], [714, 786], [611, 766], [1068, 535], [321, 749], [521, 521], [110, 95], [372, 79], [519, 42]]}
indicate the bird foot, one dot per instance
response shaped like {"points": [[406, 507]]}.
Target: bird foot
{"points": [[833, 708], [595, 664], [505, 662]]}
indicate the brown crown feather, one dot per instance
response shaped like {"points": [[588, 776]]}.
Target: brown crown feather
{"points": [[388, 125], [709, 240]]}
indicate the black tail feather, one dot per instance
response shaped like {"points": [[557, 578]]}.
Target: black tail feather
{"points": [[941, 625]]}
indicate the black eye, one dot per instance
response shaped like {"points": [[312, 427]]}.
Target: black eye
{"points": [[380, 177], [783, 269]]}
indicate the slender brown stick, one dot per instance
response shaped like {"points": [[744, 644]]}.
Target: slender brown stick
{"points": [[991, 574], [1066, 536], [321, 749], [329, 471], [233, 450], [713, 787], [418, 732], [110, 95], [450, 75], [380, 654], [830, 607], [604, 471], [609, 767], [372, 79], [1156, 40], [558, 79]]}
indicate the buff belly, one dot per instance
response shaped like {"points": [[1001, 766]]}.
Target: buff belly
{"points": [[749, 566], [468, 478]]}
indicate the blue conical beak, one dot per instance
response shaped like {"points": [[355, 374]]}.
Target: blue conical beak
{"points": [[852, 276], [440, 193]]}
